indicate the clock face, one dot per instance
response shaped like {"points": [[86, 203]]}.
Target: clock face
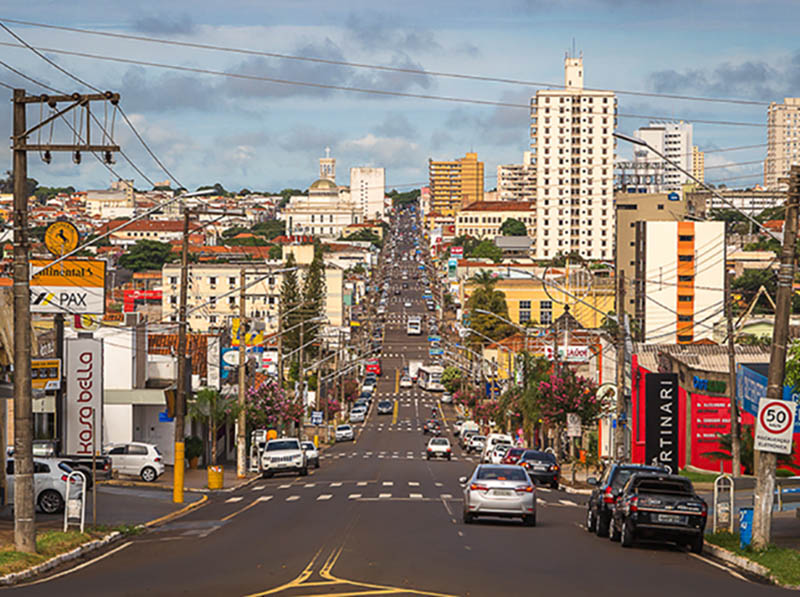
{"points": [[61, 237]]}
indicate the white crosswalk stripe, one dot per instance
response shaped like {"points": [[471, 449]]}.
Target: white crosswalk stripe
{"points": [[292, 498], [233, 500], [258, 488], [415, 496], [324, 497], [264, 498], [567, 502], [353, 496]]}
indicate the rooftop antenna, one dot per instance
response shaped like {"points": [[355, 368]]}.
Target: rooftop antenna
{"points": [[573, 47]]}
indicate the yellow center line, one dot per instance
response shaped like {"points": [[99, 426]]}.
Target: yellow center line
{"points": [[394, 413], [247, 507], [441, 410]]}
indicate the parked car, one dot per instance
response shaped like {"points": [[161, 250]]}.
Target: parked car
{"points": [[312, 453], [447, 398], [344, 433], [439, 447], [385, 407], [358, 414], [499, 490], [405, 382], [661, 508], [542, 467], [513, 455], [605, 493], [476, 443], [137, 458], [284, 454], [49, 483]]}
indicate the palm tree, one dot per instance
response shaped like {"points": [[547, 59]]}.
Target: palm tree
{"points": [[210, 409], [484, 280]]}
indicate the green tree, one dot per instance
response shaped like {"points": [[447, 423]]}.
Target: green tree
{"points": [[146, 255], [485, 298], [275, 252], [486, 249], [314, 295], [211, 409], [468, 243], [365, 235], [513, 227], [270, 228], [451, 379], [290, 303]]}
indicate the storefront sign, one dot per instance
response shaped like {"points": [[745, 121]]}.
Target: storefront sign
{"points": [[709, 385], [72, 286], [84, 400], [571, 354], [661, 420], [710, 418]]}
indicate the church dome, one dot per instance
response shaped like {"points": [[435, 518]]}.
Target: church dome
{"points": [[323, 184]]}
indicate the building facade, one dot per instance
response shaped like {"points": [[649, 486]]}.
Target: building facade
{"points": [[752, 201], [483, 219], [783, 141], [572, 150], [517, 182], [367, 189], [698, 164], [674, 140], [455, 184]]}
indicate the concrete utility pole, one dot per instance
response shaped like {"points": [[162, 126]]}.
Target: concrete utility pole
{"points": [[180, 391], [736, 446], [24, 507], [300, 373], [765, 461], [241, 453], [619, 431]]}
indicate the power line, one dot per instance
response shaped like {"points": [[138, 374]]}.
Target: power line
{"points": [[413, 71]]}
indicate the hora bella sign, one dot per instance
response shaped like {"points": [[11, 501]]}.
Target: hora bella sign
{"points": [[83, 410], [661, 420]]}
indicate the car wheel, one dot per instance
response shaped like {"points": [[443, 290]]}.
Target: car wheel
{"points": [[428, 457], [468, 518], [304, 471], [697, 544], [613, 533], [87, 478], [554, 484], [267, 474], [591, 521], [316, 463], [626, 536], [529, 520], [51, 502], [148, 474], [601, 525]]}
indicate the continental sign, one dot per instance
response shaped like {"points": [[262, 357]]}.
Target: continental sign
{"points": [[74, 286]]}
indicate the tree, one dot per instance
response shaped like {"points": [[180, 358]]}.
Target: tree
{"points": [[290, 302], [513, 227], [485, 298], [314, 295], [451, 379], [486, 249], [565, 392], [268, 406], [211, 409], [365, 235], [468, 243], [270, 228], [747, 450], [275, 252], [146, 255]]}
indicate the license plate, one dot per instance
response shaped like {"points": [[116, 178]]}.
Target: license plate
{"points": [[503, 492], [540, 467], [671, 518]]}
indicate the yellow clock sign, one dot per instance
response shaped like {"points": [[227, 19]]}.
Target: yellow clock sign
{"points": [[61, 237]]}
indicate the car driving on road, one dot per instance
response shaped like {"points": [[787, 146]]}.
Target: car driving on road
{"points": [[312, 453], [499, 490], [541, 466], [385, 407], [344, 433], [358, 414], [476, 443], [282, 455], [405, 382], [439, 447]]}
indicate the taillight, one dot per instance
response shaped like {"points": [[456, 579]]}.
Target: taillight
{"points": [[157, 459], [704, 512], [448, 449], [524, 489], [633, 504], [608, 495], [476, 487], [64, 478], [553, 467]]}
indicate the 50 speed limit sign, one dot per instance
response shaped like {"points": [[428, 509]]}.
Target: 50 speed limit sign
{"points": [[775, 425]]}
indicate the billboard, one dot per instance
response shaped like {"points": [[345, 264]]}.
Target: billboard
{"points": [[661, 420], [46, 374], [83, 408], [72, 286]]}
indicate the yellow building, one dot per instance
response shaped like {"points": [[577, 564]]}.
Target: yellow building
{"points": [[455, 184], [698, 164], [483, 219]]}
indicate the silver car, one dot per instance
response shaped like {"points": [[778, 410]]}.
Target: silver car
{"points": [[499, 490]]}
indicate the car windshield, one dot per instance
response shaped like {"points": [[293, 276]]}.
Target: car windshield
{"points": [[501, 473], [622, 475], [289, 444], [440, 442], [536, 455], [343, 428], [478, 438], [669, 486], [309, 446]]}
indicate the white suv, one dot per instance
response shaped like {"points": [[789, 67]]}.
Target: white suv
{"points": [[344, 433], [283, 454], [137, 458]]}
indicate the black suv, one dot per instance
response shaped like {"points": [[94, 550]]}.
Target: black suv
{"points": [[607, 490]]}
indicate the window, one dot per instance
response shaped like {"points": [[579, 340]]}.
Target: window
{"points": [[685, 298], [685, 278], [685, 338], [137, 450], [546, 312], [524, 311], [212, 302], [173, 279], [212, 280], [660, 206], [119, 450], [232, 282], [685, 257], [684, 318]]}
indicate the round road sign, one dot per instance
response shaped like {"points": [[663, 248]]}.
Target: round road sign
{"points": [[777, 416]]}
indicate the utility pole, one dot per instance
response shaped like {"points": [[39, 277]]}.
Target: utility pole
{"points": [[300, 373], [736, 446], [619, 431], [180, 391], [241, 455], [280, 344], [24, 507], [765, 461]]}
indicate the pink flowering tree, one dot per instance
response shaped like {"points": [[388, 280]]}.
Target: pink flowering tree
{"points": [[267, 405], [564, 392]]}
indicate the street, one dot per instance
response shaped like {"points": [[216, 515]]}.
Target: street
{"points": [[377, 517]]}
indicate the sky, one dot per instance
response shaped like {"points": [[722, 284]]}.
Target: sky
{"points": [[266, 136]]}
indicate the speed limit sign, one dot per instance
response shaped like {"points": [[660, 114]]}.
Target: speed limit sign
{"points": [[775, 425]]}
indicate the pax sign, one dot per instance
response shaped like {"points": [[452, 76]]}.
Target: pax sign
{"points": [[84, 400]]}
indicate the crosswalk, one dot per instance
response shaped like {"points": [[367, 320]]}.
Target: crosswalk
{"points": [[390, 455]]}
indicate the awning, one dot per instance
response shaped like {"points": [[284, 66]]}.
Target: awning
{"points": [[146, 397]]}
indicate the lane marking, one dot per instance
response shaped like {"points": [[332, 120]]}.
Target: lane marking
{"points": [[233, 500], [264, 498], [446, 496], [567, 502], [336, 484], [324, 497], [307, 485], [79, 567], [353, 496], [247, 507], [362, 484], [384, 496], [287, 486], [292, 498], [413, 483], [721, 567], [258, 488]]}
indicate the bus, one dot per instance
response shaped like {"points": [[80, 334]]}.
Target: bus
{"points": [[414, 326], [430, 378], [374, 366]]}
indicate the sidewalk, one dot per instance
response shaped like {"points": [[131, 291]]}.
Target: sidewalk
{"points": [[193, 479]]}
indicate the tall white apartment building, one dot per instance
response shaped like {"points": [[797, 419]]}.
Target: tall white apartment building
{"points": [[674, 140], [572, 150], [517, 182], [367, 189], [783, 141]]}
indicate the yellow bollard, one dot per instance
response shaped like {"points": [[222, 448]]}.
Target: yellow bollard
{"points": [[316, 441], [177, 478]]}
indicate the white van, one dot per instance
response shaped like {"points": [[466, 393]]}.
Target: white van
{"points": [[492, 441]]}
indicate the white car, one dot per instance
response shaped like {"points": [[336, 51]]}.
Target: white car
{"points": [[358, 414], [137, 458], [405, 382], [284, 454], [498, 453], [439, 447], [407, 304], [344, 433], [312, 453], [49, 483], [447, 398], [368, 387]]}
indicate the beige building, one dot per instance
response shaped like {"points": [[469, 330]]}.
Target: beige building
{"points": [[673, 140], [572, 150], [783, 140], [483, 219], [698, 164], [455, 184], [517, 182]]}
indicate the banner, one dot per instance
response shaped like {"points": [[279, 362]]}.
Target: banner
{"points": [[83, 409], [72, 286], [661, 420]]}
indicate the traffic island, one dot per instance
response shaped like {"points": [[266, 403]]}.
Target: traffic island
{"points": [[778, 565]]}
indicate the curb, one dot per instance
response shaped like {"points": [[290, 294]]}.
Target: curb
{"points": [[742, 563], [15, 577], [203, 490], [570, 489]]}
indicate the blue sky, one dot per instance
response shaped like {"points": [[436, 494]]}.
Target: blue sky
{"points": [[268, 136]]}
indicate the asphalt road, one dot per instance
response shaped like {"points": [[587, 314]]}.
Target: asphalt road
{"points": [[378, 518]]}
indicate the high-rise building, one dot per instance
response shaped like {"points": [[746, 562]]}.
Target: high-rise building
{"points": [[455, 184], [674, 140], [572, 150], [517, 182], [367, 189], [698, 164], [783, 140]]}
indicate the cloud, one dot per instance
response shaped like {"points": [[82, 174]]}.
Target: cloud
{"points": [[396, 125], [372, 32], [166, 25], [165, 92], [394, 152]]}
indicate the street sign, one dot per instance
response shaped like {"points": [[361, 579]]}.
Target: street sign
{"points": [[83, 408], [61, 238], [435, 352], [46, 374], [434, 339], [775, 426], [316, 417], [571, 354], [573, 425], [673, 196], [72, 286]]}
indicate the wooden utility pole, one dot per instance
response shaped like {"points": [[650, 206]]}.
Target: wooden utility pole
{"points": [[619, 431], [180, 391], [300, 373], [24, 507], [765, 461], [736, 446], [241, 453]]}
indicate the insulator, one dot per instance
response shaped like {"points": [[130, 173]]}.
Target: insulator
{"points": [[76, 157], [47, 157]]}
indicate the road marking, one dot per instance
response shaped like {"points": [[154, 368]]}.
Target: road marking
{"points": [[544, 489], [324, 497], [413, 483], [336, 484], [258, 488], [80, 566], [567, 502], [446, 496], [233, 500], [353, 496], [541, 502], [415, 496], [439, 484], [292, 498], [447, 506], [387, 483], [362, 483], [264, 498], [721, 567], [247, 507], [307, 485], [287, 486], [384, 495]]}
